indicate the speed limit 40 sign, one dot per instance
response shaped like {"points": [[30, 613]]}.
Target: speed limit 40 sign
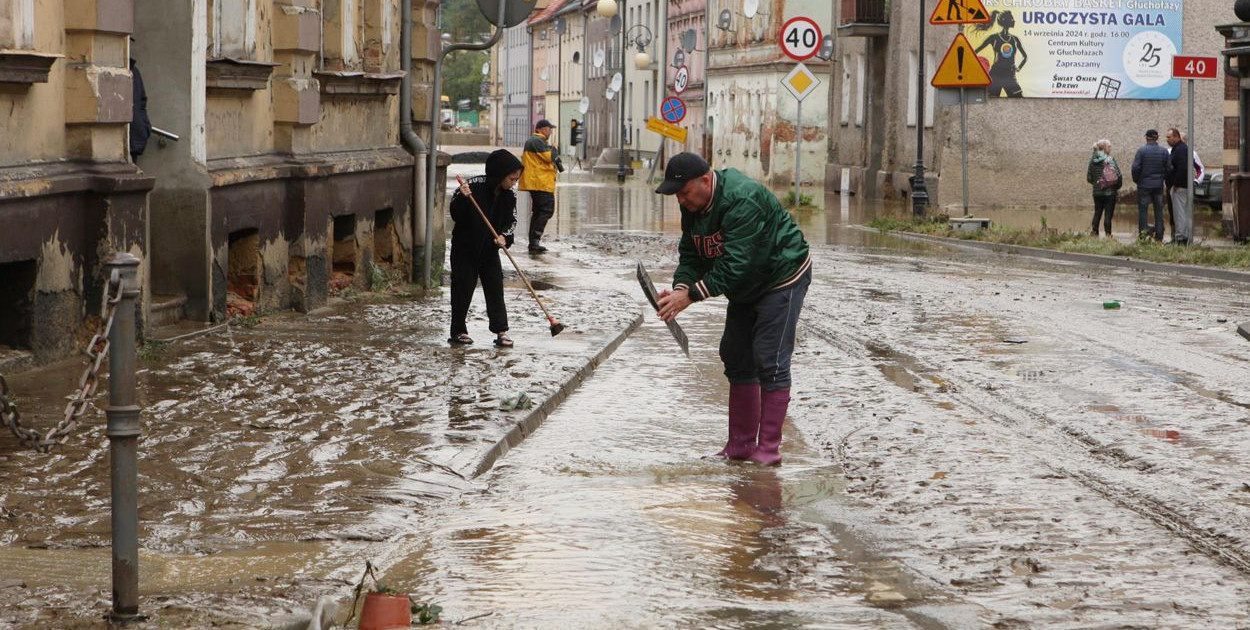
{"points": [[1185, 67], [800, 38]]}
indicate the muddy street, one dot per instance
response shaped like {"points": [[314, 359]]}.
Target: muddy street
{"points": [[974, 442]]}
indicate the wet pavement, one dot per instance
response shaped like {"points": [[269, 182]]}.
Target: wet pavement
{"points": [[974, 443]]}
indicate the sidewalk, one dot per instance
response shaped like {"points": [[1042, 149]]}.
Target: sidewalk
{"points": [[296, 447]]}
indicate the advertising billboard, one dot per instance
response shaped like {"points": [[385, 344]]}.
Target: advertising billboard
{"points": [[1115, 49]]}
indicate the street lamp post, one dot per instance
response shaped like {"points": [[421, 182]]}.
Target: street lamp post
{"points": [[642, 38], [919, 191]]}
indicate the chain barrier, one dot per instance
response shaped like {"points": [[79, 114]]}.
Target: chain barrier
{"points": [[97, 352]]}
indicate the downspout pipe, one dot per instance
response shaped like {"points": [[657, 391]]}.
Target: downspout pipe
{"points": [[411, 141], [431, 201]]}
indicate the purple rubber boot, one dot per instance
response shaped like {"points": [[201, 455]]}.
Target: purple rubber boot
{"points": [[744, 421], [773, 415]]}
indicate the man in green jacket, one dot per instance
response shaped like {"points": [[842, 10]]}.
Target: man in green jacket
{"points": [[737, 241]]}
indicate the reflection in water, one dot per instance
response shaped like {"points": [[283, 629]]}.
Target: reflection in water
{"points": [[607, 518]]}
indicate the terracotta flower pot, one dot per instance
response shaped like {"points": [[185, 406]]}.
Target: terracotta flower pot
{"points": [[383, 611]]}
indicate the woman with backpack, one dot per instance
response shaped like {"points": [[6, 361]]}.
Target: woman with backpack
{"points": [[1103, 174]]}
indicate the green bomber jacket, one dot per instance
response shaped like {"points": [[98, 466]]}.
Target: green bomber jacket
{"points": [[742, 246]]}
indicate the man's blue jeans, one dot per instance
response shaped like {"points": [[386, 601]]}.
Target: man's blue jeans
{"points": [[1144, 197]]}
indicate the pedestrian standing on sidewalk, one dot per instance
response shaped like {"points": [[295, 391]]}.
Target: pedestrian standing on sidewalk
{"points": [[1103, 173], [1150, 174], [1178, 188], [737, 241], [475, 251], [541, 162]]}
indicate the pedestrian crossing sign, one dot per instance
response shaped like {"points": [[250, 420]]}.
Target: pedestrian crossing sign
{"points": [[960, 68], [959, 12]]}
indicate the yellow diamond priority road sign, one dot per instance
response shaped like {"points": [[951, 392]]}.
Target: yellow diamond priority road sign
{"points": [[800, 81]]}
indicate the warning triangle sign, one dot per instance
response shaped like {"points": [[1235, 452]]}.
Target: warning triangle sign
{"points": [[960, 67], [959, 12]]}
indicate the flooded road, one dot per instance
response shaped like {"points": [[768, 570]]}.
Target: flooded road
{"points": [[974, 442]]}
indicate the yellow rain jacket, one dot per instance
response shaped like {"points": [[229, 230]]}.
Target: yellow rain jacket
{"points": [[540, 166]]}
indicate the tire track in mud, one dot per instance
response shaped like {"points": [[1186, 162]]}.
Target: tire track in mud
{"points": [[1106, 469]]}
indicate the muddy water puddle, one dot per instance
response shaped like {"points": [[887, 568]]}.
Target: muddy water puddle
{"points": [[607, 517]]}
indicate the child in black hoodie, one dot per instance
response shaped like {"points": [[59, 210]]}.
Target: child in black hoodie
{"points": [[475, 253]]}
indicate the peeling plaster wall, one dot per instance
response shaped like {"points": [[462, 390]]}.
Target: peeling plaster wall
{"points": [[239, 123], [752, 117], [348, 123]]}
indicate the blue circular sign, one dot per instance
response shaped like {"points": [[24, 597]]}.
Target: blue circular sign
{"points": [[673, 110]]}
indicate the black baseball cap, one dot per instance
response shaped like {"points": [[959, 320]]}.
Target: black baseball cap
{"points": [[543, 123], [1152, 134], [681, 169]]}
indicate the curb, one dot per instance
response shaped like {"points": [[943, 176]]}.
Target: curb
{"points": [[1244, 330], [534, 419], [1111, 261]]}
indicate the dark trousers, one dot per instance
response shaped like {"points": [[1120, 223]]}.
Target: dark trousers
{"points": [[542, 206], [466, 270], [1104, 209], [1144, 198], [759, 336]]}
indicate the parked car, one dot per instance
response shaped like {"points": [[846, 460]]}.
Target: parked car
{"points": [[1210, 190]]}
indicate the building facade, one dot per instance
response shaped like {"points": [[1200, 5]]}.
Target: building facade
{"points": [[516, 109], [286, 180], [874, 100], [752, 120], [69, 196], [687, 21]]}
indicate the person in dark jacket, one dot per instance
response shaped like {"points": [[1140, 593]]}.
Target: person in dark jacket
{"points": [[737, 241], [1150, 169], [140, 126], [1179, 173], [1105, 190], [475, 252]]}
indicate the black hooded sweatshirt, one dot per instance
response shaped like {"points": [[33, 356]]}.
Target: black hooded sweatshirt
{"points": [[500, 205], [470, 234]]}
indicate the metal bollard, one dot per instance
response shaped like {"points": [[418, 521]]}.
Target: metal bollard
{"points": [[123, 434]]}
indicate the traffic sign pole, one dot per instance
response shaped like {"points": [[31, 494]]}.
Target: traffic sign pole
{"points": [[1189, 188], [1191, 68], [798, 154], [963, 137]]}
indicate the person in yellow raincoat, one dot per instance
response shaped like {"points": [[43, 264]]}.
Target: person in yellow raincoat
{"points": [[541, 162]]}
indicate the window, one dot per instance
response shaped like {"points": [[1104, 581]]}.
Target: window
{"points": [[846, 90], [234, 28], [860, 92], [341, 35], [930, 94], [17, 24]]}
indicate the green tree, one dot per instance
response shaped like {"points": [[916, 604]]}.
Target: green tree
{"points": [[462, 76], [464, 21]]}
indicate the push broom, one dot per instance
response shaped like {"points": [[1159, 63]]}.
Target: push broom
{"points": [[556, 326]]}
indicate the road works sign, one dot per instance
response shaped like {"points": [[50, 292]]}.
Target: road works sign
{"points": [[960, 67], [668, 130], [1185, 67], [959, 12], [800, 82]]}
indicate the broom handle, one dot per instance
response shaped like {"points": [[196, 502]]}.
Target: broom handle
{"points": [[505, 251]]}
